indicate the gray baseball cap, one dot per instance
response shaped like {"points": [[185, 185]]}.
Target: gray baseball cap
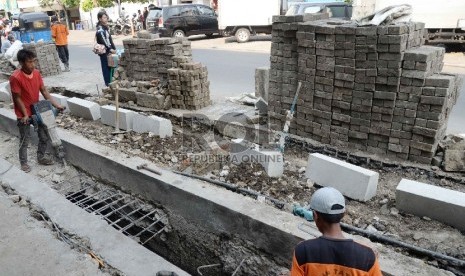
{"points": [[329, 201]]}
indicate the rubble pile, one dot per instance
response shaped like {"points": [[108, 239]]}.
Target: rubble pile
{"points": [[375, 88], [6, 66], [169, 62], [48, 62]]}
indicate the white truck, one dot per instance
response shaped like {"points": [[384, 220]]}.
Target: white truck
{"points": [[243, 18], [444, 20]]}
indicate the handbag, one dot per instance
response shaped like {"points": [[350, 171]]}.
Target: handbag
{"points": [[99, 49], [113, 60]]}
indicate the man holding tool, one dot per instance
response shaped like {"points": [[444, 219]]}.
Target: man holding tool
{"points": [[26, 83]]}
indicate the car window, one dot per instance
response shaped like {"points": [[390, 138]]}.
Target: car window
{"points": [[336, 11], [205, 11], [173, 11], [312, 9], [154, 14], [188, 11]]}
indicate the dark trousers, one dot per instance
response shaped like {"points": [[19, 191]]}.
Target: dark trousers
{"points": [[25, 137], [63, 53], [105, 69]]}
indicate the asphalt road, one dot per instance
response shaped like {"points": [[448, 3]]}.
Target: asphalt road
{"points": [[232, 73]]}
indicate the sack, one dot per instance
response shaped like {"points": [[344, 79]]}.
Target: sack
{"points": [[113, 60], [99, 49]]}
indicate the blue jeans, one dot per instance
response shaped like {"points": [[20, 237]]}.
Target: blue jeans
{"points": [[105, 69]]}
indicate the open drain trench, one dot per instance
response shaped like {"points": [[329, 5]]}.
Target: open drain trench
{"points": [[122, 212], [149, 225]]}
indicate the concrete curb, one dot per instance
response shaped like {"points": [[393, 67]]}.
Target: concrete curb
{"points": [[114, 247], [216, 209]]}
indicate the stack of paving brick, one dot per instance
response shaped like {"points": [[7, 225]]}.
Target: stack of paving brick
{"points": [[48, 62], [189, 86], [284, 65], [146, 60], [372, 88], [344, 77]]}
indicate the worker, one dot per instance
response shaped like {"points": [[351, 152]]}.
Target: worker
{"points": [[60, 36], [25, 84], [332, 253], [7, 43]]}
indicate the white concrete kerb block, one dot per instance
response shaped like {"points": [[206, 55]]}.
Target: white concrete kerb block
{"points": [[159, 126], [435, 202], [5, 92], [108, 114], [62, 100], [271, 161], [352, 181], [84, 109]]}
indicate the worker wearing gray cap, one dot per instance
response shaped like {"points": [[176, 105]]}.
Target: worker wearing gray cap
{"points": [[332, 253]]}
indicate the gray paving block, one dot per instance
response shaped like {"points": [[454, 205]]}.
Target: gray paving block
{"points": [[271, 161], [108, 114], [84, 109], [352, 181], [157, 125], [438, 203], [62, 100]]}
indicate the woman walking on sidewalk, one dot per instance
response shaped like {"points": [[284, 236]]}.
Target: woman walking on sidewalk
{"points": [[103, 37]]}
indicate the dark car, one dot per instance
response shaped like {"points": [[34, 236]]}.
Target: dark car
{"points": [[183, 20], [335, 9]]}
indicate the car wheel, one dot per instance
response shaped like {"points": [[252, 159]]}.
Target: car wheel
{"points": [[242, 35], [179, 33]]}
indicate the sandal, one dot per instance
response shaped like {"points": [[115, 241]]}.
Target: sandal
{"points": [[25, 168], [45, 161]]}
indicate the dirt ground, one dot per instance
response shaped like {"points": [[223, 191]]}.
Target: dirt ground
{"points": [[377, 215]]}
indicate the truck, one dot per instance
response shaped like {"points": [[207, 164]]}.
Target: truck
{"points": [[243, 18], [444, 20]]}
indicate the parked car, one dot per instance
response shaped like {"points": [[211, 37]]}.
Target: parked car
{"points": [[335, 9], [182, 20]]}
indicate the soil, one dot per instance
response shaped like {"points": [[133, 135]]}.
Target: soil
{"points": [[379, 214]]}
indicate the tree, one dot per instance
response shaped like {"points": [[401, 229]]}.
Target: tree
{"points": [[64, 4]]}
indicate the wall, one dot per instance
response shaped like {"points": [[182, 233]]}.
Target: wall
{"points": [[374, 89]]}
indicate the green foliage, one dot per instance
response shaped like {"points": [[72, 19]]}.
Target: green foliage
{"points": [[63, 3], [87, 5]]}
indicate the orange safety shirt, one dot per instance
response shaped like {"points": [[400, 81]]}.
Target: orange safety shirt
{"points": [[60, 34]]}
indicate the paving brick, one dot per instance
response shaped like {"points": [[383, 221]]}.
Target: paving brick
{"points": [[447, 206], [352, 181], [84, 109], [108, 117]]}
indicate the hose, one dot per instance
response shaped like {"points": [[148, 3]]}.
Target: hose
{"points": [[279, 204], [411, 247]]}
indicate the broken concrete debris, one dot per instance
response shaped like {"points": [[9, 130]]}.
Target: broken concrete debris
{"points": [[452, 153]]}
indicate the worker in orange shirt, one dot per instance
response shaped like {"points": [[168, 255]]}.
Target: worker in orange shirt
{"points": [[60, 36]]}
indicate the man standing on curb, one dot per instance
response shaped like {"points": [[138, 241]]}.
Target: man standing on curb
{"points": [[60, 35], [332, 253]]}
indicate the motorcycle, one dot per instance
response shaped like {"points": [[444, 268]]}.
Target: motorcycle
{"points": [[136, 23], [121, 26]]}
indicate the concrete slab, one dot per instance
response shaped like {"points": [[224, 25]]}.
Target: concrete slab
{"points": [[435, 202], [157, 125], [271, 161], [84, 109], [5, 92], [62, 100], [352, 181], [108, 117], [112, 246]]}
